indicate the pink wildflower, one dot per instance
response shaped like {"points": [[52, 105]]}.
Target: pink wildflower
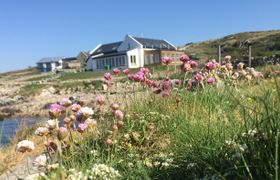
{"points": [[65, 102], [126, 71], [165, 94], [118, 114], [145, 70], [116, 71], [120, 124], [100, 99], [75, 107], [108, 141], [210, 65], [198, 77], [184, 58], [167, 60], [107, 76], [62, 133], [115, 106], [193, 64], [211, 80], [178, 81], [55, 110], [82, 127], [185, 67]]}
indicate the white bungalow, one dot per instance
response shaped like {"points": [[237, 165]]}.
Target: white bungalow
{"points": [[133, 52]]}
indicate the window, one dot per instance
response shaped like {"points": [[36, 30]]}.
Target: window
{"points": [[133, 59], [122, 60]]}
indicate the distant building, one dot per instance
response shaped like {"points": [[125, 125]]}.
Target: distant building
{"points": [[49, 64], [133, 52], [77, 63], [60, 63]]}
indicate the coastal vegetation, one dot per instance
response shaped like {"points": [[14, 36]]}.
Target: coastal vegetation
{"points": [[204, 121]]}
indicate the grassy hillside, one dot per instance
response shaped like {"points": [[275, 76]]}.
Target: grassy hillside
{"points": [[264, 43]]}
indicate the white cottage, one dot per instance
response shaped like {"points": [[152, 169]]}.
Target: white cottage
{"points": [[133, 52], [49, 64]]}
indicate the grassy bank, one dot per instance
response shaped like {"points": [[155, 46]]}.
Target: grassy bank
{"points": [[228, 129]]}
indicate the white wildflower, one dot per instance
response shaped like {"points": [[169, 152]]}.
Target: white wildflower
{"points": [[42, 131], [40, 160], [86, 111], [51, 124], [25, 146]]}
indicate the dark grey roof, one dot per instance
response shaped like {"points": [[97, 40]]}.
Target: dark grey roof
{"points": [[69, 59], [154, 43], [111, 54], [50, 59], [107, 48]]}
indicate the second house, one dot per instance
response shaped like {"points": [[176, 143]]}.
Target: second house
{"points": [[133, 52]]}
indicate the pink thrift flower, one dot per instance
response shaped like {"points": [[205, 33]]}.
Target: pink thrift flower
{"points": [[116, 71], [211, 80], [82, 101], [167, 60], [115, 106], [166, 84], [75, 107], [184, 58], [108, 142], [177, 81], [193, 64], [126, 71], [166, 94], [100, 99], [145, 71], [186, 67], [82, 127], [198, 77], [120, 124], [107, 76], [210, 65], [65, 102], [55, 110], [228, 58], [62, 133], [118, 114]]}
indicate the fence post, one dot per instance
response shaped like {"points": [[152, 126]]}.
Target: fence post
{"points": [[219, 54], [250, 55]]}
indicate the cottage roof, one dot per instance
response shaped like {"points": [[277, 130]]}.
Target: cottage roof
{"points": [[155, 43], [111, 54], [50, 59], [69, 59], [107, 48]]}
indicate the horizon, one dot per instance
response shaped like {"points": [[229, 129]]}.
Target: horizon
{"points": [[33, 30]]}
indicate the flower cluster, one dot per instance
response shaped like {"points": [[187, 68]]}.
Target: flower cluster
{"points": [[167, 60]]}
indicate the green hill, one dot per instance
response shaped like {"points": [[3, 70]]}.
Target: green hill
{"points": [[264, 44]]}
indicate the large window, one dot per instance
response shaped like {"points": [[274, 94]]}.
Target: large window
{"points": [[122, 60], [133, 59]]}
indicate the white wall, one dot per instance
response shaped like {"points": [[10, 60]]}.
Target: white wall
{"points": [[129, 42], [137, 54], [91, 64]]}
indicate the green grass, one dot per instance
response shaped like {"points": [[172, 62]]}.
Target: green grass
{"points": [[31, 89], [215, 132], [191, 137], [45, 77], [265, 43], [81, 75]]}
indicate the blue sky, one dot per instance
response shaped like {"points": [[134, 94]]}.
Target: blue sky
{"points": [[33, 29]]}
